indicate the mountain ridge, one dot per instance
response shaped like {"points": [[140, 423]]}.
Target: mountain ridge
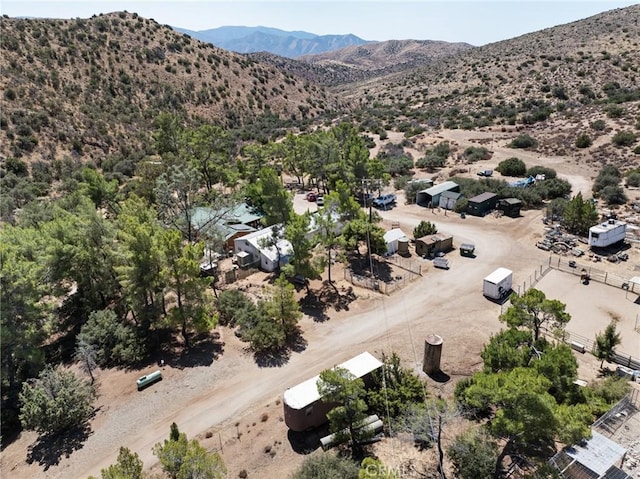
{"points": [[290, 44]]}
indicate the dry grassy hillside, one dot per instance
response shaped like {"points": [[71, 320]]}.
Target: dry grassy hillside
{"points": [[557, 82], [375, 59], [579, 58], [93, 86]]}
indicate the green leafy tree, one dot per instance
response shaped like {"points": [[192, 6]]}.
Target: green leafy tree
{"points": [[473, 455], [24, 318], [327, 221], [55, 402], [606, 343], [282, 307], [139, 271], [129, 466], [182, 275], [579, 215], [506, 350], [533, 310], [171, 453], [524, 412], [183, 459], [296, 158], [80, 250], [168, 133], [394, 388], [558, 364], [211, 151], [512, 167], [360, 231], [327, 466], [265, 336], [275, 200], [115, 341], [95, 186], [423, 229], [230, 304], [302, 261], [200, 464], [339, 386]]}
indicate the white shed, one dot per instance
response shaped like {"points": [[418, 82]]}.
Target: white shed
{"points": [[391, 238]]}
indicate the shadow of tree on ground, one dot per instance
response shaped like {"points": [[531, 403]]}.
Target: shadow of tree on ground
{"points": [[49, 449], [316, 303]]}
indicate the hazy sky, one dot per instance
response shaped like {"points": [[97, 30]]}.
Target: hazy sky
{"points": [[474, 21]]}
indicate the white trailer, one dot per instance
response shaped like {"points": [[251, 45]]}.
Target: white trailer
{"points": [[498, 284], [606, 234]]}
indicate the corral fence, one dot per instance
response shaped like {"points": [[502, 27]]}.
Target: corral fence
{"points": [[411, 271], [586, 345], [574, 340], [578, 268]]}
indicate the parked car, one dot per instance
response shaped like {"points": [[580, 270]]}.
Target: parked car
{"points": [[311, 196], [485, 173], [320, 200], [384, 201]]}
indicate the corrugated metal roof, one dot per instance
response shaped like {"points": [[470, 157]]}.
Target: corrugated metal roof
{"points": [[599, 453], [440, 188]]}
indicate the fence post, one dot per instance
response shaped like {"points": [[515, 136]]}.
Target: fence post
{"points": [[605, 277]]}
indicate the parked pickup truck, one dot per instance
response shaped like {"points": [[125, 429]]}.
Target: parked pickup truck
{"points": [[384, 201]]}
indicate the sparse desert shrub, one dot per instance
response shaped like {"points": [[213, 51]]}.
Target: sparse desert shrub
{"points": [[512, 167], [476, 153], [614, 111], [624, 138], [549, 173], [583, 141], [523, 141], [633, 179], [598, 125]]}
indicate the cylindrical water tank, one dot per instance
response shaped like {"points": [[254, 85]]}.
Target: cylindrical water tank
{"points": [[403, 246], [432, 353]]}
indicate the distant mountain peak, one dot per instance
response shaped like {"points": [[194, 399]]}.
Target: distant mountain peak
{"points": [[241, 39]]}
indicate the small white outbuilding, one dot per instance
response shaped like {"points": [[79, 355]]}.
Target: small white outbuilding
{"points": [[391, 239]]}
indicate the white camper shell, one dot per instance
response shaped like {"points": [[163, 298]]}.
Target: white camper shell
{"points": [[606, 234], [498, 284]]}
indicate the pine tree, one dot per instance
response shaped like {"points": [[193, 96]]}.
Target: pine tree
{"points": [[606, 343]]}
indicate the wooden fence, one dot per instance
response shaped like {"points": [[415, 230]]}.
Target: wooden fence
{"points": [[412, 271], [577, 268]]}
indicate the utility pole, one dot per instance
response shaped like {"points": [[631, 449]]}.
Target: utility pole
{"points": [[367, 186]]}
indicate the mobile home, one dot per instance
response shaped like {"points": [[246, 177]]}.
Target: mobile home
{"points": [[303, 405], [498, 284], [608, 233]]}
